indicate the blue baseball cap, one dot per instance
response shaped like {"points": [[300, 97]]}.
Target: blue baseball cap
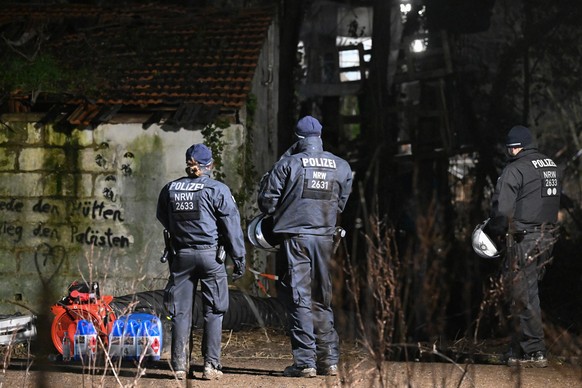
{"points": [[200, 153], [308, 126]]}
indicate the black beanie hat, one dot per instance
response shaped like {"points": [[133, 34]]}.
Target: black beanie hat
{"points": [[518, 136]]}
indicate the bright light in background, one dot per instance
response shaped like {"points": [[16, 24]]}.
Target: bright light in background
{"points": [[418, 45], [301, 53], [405, 7], [351, 58]]}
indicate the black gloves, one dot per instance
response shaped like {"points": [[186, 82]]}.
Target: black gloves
{"points": [[239, 268]]}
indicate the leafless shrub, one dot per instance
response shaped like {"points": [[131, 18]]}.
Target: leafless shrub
{"points": [[399, 298], [375, 298]]}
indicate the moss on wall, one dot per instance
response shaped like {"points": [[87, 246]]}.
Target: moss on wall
{"points": [[85, 205]]}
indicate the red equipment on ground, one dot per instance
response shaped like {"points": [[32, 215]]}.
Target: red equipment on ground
{"points": [[83, 303]]}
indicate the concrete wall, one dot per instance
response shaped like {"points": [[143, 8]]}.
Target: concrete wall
{"points": [[82, 205]]}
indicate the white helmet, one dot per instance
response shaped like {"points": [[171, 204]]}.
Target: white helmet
{"points": [[260, 233], [482, 244]]}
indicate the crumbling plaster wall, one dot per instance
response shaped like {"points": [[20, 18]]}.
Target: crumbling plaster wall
{"points": [[83, 205]]}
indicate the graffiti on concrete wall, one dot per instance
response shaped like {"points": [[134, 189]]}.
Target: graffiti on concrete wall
{"points": [[46, 231], [50, 236], [11, 231], [90, 227], [89, 235], [48, 260], [82, 204]]}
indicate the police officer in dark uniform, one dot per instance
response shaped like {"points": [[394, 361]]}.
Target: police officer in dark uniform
{"points": [[524, 211], [304, 191], [196, 210]]}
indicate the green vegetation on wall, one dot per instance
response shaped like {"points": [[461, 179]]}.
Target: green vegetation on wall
{"points": [[245, 166], [213, 139]]}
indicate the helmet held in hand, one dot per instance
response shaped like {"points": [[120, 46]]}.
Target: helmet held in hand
{"points": [[260, 233], [483, 245]]}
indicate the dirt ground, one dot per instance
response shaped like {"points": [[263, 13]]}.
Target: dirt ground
{"points": [[257, 358]]}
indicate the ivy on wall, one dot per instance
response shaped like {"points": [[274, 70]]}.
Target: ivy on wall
{"points": [[212, 134]]}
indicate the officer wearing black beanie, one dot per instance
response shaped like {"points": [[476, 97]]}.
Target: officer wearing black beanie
{"points": [[524, 214], [518, 137]]}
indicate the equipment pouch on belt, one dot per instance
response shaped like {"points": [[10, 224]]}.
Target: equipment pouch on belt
{"points": [[519, 236], [169, 250], [221, 254]]}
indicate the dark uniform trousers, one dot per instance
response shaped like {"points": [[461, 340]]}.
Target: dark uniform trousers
{"points": [[305, 289], [524, 267], [187, 267]]}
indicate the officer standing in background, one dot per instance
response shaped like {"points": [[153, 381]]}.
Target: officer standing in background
{"points": [[303, 192], [196, 210], [525, 208]]}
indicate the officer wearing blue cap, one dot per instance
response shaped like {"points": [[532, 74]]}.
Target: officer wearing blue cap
{"points": [[304, 192], [197, 210], [524, 211]]}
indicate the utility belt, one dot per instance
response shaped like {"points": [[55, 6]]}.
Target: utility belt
{"points": [[197, 247], [338, 233], [171, 248], [337, 236], [548, 228], [519, 235], [287, 236], [220, 250]]}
